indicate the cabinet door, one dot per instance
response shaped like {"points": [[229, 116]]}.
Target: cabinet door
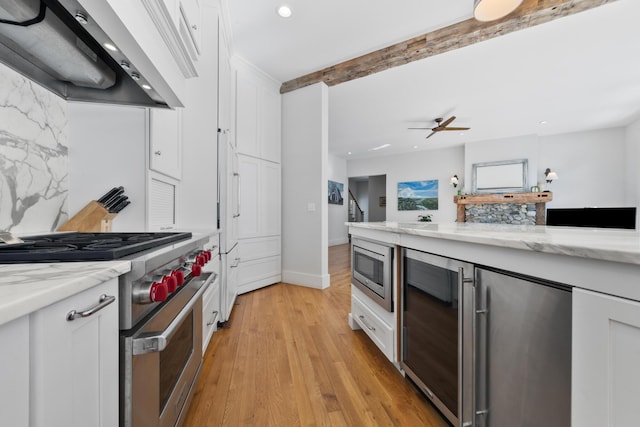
{"points": [[190, 26], [14, 371], [270, 190], [247, 115], [165, 141], [74, 364], [606, 361], [224, 81], [250, 212], [270, 119]]}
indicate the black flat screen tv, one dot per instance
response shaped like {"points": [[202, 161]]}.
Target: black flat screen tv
{"points": [[593, 217]]}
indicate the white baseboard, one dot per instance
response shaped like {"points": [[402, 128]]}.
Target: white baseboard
{"points": [[340, 241], [315, 281]]}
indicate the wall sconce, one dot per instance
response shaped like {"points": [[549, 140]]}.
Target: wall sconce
{"points": [[550, 175], [490, 10], [454, 181]]}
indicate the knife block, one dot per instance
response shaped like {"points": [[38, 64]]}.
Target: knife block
{"points": [[92, 218]]}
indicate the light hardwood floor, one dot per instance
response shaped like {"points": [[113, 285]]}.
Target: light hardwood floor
{"points": [[288, 358]]}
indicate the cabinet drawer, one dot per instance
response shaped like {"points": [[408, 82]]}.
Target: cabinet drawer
{"points": [[210, 312], [376, 328]]}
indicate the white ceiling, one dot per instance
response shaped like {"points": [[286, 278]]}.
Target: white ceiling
{"points": [[578, 72]]}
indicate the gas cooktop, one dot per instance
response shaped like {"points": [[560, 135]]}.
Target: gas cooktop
{"points": [[65, 247]]}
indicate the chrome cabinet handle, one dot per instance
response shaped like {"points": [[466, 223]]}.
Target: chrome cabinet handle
{"points": [[237, 260], [213, 320], [158, 153], [104, 301], [371, 328], [237, 214]]}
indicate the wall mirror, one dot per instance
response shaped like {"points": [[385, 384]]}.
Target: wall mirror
{"points": [[507, 176]]}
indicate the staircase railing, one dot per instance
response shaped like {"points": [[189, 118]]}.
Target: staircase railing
{"points": [[356, 214]]}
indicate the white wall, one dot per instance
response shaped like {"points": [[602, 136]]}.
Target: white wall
{"points": [[338, 214], [590, 165], [632, 176], [304, 186], [377, 189], [109, 150], [416, 166]]}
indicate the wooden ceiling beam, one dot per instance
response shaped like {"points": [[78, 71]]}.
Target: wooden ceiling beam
{"points": [[465, 33]]}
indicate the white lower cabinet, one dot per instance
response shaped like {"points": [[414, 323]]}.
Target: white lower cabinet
{"points": [[74, 363], [14, 372], [378, 329], [210, 312], [605, 361]]}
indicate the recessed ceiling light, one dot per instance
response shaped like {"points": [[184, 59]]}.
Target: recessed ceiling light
{"points": [[285, 11], [544, 122], [415, 146], [147, 87], [461, 133], [380, 147], [110, 47], [349, 153]]}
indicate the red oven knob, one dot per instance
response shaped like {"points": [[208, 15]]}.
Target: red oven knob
{"points": [[158, 292], [179, 275], [171, 283], [200, 260], [208, 254], [196, 270]]}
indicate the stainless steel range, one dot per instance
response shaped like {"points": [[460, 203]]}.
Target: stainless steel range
{"points": [[160, 312]]}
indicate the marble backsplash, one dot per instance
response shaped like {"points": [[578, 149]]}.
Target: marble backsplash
{"points": [[33, 156]]}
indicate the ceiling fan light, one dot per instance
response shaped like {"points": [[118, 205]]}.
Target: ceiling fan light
{"points": [[490, 10]]}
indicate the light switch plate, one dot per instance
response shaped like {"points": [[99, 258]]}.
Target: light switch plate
{"points": [[311, 207]]}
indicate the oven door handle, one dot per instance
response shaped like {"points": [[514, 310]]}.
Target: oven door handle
{"points": [[158, 342]]}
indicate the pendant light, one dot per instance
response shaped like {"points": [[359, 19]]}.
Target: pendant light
{"points": [[490, 10]]}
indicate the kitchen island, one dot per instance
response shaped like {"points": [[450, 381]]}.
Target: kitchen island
{"points": [[601, 267]]}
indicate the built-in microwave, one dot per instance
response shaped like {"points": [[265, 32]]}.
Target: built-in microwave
{"points": [[372, 270]]}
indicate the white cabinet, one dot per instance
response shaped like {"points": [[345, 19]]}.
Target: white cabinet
{"points": [[165, 141], [74, 363], [606, 361], [258, 116], [377, 323], [14, 371], [259, 224], [260, 190]]}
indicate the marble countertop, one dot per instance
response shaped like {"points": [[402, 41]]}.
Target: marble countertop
{"points": [[25, 288], [594, 243]]}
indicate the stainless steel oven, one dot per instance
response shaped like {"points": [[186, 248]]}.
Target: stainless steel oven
{"points": [[372, 270], [161, 359]]}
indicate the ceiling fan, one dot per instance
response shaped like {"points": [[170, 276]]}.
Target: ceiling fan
{"points": [[442, 125]]}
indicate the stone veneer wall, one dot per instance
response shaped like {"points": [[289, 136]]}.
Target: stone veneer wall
{"points": [[33, 156], [507, 213]]}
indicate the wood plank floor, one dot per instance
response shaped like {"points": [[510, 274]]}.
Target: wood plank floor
{"points": [[289, 358]]}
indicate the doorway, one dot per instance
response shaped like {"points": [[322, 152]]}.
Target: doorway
{"points": [[368, 198]]}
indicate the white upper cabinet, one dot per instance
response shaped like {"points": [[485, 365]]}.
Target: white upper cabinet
{"points": [[165, 141], [257, 114]]}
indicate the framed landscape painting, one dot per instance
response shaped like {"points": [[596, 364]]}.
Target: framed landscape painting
{"points": [[335, 192], [418, 195]]}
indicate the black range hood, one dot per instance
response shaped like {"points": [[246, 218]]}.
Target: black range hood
{"points": [[58, 45]]}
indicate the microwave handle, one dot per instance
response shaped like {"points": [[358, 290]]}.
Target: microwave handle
{"points": [[158, 342]]}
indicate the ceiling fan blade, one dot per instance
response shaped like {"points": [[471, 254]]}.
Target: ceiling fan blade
{"points": [[455, 129], [431, 134], [446, 122]]}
